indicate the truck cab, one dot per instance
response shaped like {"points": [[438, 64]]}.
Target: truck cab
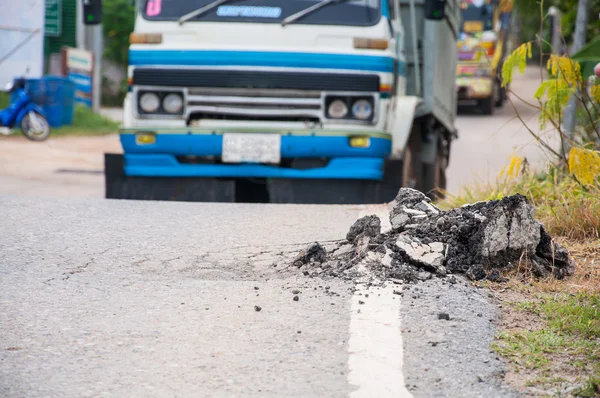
{"points": [[295, 101]]}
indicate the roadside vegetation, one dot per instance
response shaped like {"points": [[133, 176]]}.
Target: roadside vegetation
{"points": [[550, 329], [550, 332], [85, 122]]}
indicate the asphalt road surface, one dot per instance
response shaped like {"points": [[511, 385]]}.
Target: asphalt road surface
{"points": [[150, 299], [144, 299], [485, 143]]}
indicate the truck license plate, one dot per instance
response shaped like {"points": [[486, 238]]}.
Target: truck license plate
{"points": [[251, 148], [473, 26]]}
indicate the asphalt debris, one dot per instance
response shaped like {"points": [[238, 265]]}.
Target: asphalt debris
{"points": [[443, 315], [257, 308], [369, 226], [481, 241], [312, 255]]}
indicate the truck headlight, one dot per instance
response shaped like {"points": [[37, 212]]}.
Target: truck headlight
{"points": [[149, 102], [173, 103], [362, 109], [337, 109]]}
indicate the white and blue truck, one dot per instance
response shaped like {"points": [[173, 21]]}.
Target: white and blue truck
{"points": [[287, 101]]}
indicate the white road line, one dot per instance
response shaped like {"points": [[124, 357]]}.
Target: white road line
{"points": [[375, 345]]}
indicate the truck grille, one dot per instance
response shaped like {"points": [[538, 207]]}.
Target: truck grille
{"points": [[255, 79], [254, 104]]}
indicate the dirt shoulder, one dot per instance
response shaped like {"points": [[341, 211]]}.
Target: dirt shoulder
{"points": [[549, 331], [61, 166]]}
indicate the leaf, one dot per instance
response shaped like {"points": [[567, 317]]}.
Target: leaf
{"points": [[517, 59], [584, 164], [539, 93], [513, 169], [515, 166], [556, 93], [563, 67]]}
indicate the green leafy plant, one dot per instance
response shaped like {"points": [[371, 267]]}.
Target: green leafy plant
{"points": [[529, 10], [118, 23], [565, 81]]}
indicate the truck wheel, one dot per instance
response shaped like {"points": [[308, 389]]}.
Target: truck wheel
{"points": [[487, 105], [499, 94], [120, 186], [434, 178], [412, 166]]}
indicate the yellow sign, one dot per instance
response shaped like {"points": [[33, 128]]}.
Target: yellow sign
{"points": [[473, 26]]}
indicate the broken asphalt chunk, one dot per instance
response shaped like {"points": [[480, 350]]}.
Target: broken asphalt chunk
{"points": [[314, 253], [366, 226], [480, 240]]}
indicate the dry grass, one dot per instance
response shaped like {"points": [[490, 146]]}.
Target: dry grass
{"points": [[586, 278]]}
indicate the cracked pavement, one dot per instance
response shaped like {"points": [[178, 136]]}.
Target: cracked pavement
{"points": [[143, 299]]}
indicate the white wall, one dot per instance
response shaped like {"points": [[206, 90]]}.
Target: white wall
{"points": [[27, 15]]}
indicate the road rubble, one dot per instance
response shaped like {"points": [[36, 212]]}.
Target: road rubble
{"points": [[480, 240]]}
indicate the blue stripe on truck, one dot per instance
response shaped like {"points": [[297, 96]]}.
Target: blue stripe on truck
{"points": [[142, 165], [345, 162], [264, 59], [291, 146]]}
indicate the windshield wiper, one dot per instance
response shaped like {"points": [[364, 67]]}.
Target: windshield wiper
{"points": [[201, 11], [296, 16]]}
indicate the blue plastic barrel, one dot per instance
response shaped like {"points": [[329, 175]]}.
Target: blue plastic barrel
{"points": [[56, 95]]}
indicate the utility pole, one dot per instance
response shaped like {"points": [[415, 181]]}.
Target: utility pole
{"points": [[97, 46], [579, 37], [92, 18], [556, 38]]}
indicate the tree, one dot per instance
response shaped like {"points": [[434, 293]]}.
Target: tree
{"points": [[531, 11], [118, 23]]}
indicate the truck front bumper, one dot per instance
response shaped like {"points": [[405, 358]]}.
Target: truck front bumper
{"points": [[471, 88], [197, 153]]}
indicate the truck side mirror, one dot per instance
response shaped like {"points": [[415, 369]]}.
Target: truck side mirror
{"points": [[92, 12], [435, 9]]}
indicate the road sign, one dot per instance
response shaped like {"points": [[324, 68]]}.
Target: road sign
{"points": [[53, 19], [79, 67]]}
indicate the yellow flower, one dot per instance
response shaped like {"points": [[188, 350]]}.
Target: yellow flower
{"points": [[584, 164], [595, 91]]}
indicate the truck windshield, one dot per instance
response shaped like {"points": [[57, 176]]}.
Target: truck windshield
{"points": [[477, 18], [350, 12]]}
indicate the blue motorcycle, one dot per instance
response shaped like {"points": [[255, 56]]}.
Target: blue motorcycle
{"points": [[23, 112]]}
